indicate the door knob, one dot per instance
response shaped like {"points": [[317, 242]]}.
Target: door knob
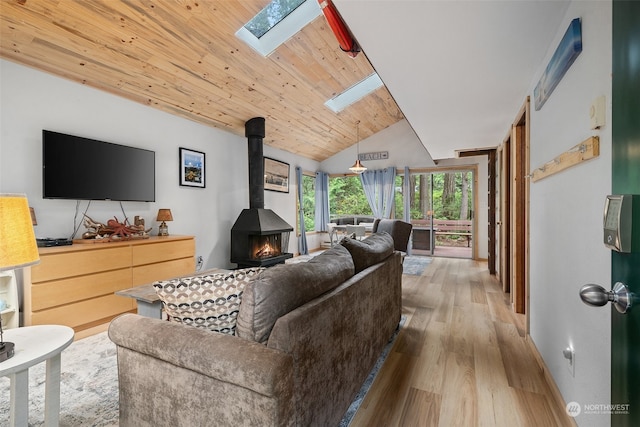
{"points": [[598, 296]]}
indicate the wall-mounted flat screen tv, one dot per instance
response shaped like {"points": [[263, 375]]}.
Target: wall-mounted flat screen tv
{"points": [[85, 169]]}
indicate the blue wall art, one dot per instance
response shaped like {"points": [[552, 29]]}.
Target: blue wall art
{"points": [[568, 50]]}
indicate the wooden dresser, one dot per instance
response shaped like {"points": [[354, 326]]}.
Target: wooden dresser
{"points": [[75, 285]]}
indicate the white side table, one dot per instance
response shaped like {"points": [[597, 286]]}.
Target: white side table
{"points": [[34, 344]]}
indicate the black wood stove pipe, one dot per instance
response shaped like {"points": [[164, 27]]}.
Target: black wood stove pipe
{"points": [[254, 131]]}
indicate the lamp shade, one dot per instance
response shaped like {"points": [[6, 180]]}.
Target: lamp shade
{"points": [[18, 246], [357, 167], [164, 215]]}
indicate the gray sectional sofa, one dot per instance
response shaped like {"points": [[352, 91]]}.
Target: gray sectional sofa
{"points": [[307, 336]]}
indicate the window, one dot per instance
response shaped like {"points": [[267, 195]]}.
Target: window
{"points": [[347, 198], [355, 93], [271, 15], [309, 201], [277, 23]]}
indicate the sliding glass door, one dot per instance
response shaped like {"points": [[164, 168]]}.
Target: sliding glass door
{"points": [[441, 211]]}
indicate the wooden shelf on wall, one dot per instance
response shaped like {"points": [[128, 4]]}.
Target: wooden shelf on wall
{"points": [[586, 150]]}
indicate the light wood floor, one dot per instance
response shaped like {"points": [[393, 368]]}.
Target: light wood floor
{"points": [[461, 359]]}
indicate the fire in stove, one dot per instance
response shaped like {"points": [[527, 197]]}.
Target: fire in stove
{"points": [[266, 246]]}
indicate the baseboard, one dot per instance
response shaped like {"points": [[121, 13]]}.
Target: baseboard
{"points": [[555, 391], [91, 331]]}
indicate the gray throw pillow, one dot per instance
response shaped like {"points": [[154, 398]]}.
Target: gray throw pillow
{"points": [[372, 250], [284, 287]]}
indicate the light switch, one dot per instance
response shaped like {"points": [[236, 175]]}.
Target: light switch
{"points": [[596, 113]]}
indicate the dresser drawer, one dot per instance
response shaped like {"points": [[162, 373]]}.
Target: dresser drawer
{"points": [[86, 312], [65, 291], [162, 251], [77, 263], [166, 270]]}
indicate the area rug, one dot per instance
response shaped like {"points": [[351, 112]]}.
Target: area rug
{"points": [[89, 386], [415, 265]]}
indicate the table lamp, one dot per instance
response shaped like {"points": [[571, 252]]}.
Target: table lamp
{"points": [[18, 246], [164, 215]]}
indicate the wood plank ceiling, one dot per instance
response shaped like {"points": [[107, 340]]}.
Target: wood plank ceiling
{"points": [[183, 57]]}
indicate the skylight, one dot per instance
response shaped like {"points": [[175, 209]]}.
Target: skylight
{"points": [[278, 22], [271, 15], [354, 93]]}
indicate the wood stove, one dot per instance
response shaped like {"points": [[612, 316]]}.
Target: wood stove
{"points": [[259, 237]]}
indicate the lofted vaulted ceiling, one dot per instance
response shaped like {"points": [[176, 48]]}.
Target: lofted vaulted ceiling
{"points": [[183, 57], [459, 70]]}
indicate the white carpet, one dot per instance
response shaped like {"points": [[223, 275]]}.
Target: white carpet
{"points": [[88, 386]]}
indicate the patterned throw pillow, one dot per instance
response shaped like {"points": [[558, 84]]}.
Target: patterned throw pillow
{"points": [[211, 301]]}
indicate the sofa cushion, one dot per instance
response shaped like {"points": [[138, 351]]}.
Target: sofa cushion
{"points": [[372, 250], [284, 287], [210, 301]]}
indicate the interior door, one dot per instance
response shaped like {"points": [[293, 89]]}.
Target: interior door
{"points": [[505, 216], [625, 334]]}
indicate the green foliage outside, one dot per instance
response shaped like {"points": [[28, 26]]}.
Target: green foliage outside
{"points": [[347, 198], [309, 201], [448, 195]]}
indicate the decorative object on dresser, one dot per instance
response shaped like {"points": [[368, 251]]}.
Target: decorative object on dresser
{"points": [[164, 215], [18, 249], [113, 230]]}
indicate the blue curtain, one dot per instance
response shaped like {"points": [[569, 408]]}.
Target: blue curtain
{"points": [[322, 201], [379, 187], [371, 179], [406, 200], [406, 195], [302, 239], [388, 188]]}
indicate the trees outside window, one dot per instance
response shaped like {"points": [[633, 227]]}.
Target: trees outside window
{"points": [[346, 197], [309, 201], [443, 195], [450, 197]]}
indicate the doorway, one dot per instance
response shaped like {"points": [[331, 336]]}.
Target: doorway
{"points": [[513, 213], [442, 211]]}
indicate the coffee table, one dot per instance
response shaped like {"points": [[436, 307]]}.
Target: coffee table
{"points": [[34, 344]]}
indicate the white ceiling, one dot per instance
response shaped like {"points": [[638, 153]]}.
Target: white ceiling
{"points": [[459, 70]]}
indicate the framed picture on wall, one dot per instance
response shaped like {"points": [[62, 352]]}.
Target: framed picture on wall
{"points": [[276, 175], [192, 168]]}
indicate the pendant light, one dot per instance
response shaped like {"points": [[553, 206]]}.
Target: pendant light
{"points": [[357, 166]]}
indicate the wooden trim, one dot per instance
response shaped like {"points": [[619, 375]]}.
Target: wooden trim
{"points": [[555, 391], [491, 202], [586, 150], [519, 213]]}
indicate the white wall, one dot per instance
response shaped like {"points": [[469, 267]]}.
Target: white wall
{"points": [[32, 101], [566, 219], [405, 149]]}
